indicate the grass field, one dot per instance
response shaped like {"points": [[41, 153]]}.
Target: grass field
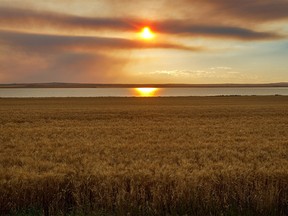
{"points": [[144, 156]]}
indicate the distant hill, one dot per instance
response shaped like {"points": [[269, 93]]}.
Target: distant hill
{"points": [[91, 85]]}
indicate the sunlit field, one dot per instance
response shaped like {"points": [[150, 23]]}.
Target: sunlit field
{"points": [[144, 156]]}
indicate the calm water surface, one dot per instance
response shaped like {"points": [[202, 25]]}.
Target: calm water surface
{"points": [[131, 92]]}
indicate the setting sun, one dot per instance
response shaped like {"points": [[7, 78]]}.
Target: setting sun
{"points": [[146, 92], [146, 33]]}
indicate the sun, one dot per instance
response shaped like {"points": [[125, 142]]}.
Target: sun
{"points": [[146, 92], [146, 33]]}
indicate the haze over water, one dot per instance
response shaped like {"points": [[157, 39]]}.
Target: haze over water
{"points": [[132, 92]]}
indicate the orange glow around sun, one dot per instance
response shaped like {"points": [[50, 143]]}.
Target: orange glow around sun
{"points": [[146, 33], [146, 92]]}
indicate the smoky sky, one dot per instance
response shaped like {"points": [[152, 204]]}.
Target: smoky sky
{"points": [[91, 41]]}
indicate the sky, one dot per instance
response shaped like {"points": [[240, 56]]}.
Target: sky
{"points": [[99, 41]]}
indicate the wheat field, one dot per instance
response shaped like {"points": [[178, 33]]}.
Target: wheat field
{"points": [[144, 156]]}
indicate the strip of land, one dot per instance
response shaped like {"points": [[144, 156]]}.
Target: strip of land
{"points": [[91, 85]]}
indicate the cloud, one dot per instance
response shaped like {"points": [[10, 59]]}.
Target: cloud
{"points": [[46, 58], [257, 10], [42, 42], [28, 57], [254, 10], [171, 26], [30, 18], [184, 73], [243, 10], [20, 18], [221, 74]]}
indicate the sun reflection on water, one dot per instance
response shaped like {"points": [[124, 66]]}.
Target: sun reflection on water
{"points": [[146, 92]]}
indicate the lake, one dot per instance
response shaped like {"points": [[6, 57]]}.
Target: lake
{"points": [[134, 92]]}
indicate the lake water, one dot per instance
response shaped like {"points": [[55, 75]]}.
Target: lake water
{"points": [[132, 92]]}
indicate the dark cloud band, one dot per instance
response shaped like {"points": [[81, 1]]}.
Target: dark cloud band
{"points": [[219, 31], [41, 42], [253, 10], [13, 18]]}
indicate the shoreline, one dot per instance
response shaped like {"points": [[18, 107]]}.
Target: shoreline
{"points": [[79, 85], [152, 97]]}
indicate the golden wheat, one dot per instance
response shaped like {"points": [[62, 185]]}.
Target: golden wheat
{"points": [[144, 156]]}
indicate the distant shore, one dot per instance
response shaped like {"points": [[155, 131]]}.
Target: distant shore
{"points": [[91, 85]]}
